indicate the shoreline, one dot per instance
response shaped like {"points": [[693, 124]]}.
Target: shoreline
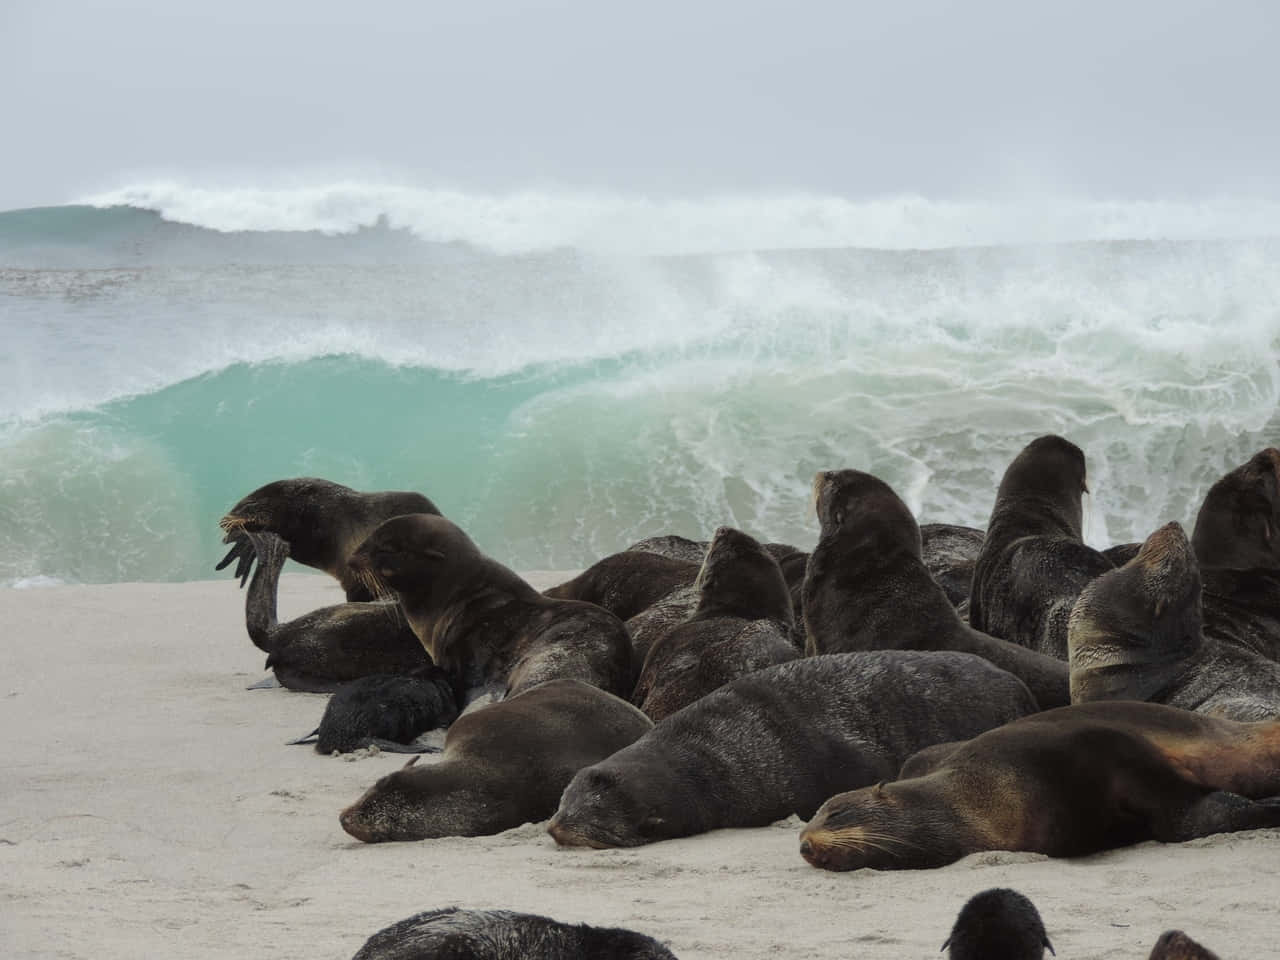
{"points": [[151, 807]]}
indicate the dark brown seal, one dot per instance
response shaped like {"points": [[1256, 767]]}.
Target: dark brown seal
{"points": [[503, 765], [323, 649], [627, 583], [1065, 783], [743, 622], [998, 924], [867, 588], [949, 553], [780, 741], [481, 622], [1034, 562], [453, 934], [1136, 634], [1176, 945], [322, 521]]}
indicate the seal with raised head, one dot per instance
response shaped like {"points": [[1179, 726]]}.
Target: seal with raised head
{"points": [[453, 934], [743, 622], [481, 622], [1237, 542], [388, 712], [998, 924], [503, 765], [867, 588], [1136, 634], [780, 741], [322, 521], [1034, 561], [321, 650], [1066, 783]]}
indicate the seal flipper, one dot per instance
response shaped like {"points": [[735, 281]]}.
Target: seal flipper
{"points": [[1220, 812], [260, 602], [242, 551], [311, 737], [269, 682], [390, 746]]}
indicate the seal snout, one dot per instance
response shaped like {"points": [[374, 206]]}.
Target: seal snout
{"points": [[568, 837], [351, 822]]}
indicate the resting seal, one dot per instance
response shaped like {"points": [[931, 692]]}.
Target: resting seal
{"points": [[949, 553], [743, 622], [503, 765], [323, 649], [480, 621], [998, 924], [867, 588], [385, 711], [1176, 945], [1069, 782], [322, 521], [1033, 562], [780, 741], [453, 934], [1135, 634]]}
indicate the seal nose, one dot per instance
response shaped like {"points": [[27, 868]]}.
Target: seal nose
{"points": [[351, 823], [806, 849]]}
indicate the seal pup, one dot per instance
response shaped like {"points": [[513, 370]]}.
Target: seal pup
{"points": [[323, 649], [626, 583], [1034, 561], [998, 924], [480, 621], [780, 741], [1136, 634], [503, 765], [1069, 782], [453, 934], [388, 712], [743, 622], [1176, 945], [1237, 542], [949, 552], [322, 521], [867, 588]]}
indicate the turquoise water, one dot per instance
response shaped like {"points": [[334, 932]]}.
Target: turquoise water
{"points": [[564, 398]]}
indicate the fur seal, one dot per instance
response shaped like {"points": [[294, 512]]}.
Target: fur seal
{"points": [[453, 934], [627, 583], [780, 741], [1069, 782], [673, 547], [1034, 562], [322, 521], [868, 589], [503, 765], [998, 924], [480, 621], [1176, 945], [323, 649], [743, 622], [1136, 634], [949, 552], [385, 711]]}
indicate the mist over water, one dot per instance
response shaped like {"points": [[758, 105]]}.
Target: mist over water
{"points": [[563, 374]]}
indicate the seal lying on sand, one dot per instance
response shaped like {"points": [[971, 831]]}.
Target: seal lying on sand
{"points": [[1069, 782], [1136, 634], [503, 765], [322, 521], [480, 621], [386, 712], [998, 924], [325, 648], [1034, 562], [867, 588], [780, 741], [453, 934], [1176, 945], [743, 623]]}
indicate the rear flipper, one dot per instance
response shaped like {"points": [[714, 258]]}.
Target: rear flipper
{"points": [[269, 682], [311, 737], [1220, 812], [242, 552], [390, 746]]}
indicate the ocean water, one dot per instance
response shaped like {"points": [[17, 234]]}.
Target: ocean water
{"points": [[565, 373]]}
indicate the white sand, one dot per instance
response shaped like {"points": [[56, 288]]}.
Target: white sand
{"points": [[149, 808]]}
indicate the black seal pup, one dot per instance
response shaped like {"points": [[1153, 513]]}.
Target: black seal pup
{"points": [[388, 712], [453, 934], [481, 622], [322, 521], [1237, 542], [1034, 562], [323, 649], [503, 765], [1136, 634], [867, 588], [998, 924], [780, 741], [743, 622], [1066, 783]]}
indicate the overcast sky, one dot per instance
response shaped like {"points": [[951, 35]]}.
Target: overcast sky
{"points": [[1116, 99]]}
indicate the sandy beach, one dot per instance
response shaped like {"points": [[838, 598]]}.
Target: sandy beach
{"points": [[150, 808]]}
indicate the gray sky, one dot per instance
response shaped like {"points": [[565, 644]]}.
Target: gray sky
{"points": [[1123, 100]]}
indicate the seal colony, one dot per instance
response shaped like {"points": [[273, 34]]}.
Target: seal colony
{"points": [[843, 686]]}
